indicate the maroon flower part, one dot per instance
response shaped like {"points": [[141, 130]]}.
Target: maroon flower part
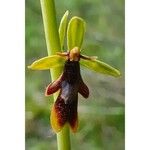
{"points": [[70, 83]]}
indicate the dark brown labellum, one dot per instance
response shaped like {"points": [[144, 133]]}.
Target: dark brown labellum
{"points": [[70, 84]]}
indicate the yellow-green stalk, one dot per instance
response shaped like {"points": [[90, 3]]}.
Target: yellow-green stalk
{"points": [[53, 46]]}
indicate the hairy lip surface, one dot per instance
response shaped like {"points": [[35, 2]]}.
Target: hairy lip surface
{"points": [[70, 84]]}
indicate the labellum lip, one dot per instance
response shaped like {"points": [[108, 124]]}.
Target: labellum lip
{"points": [[70, 83]]}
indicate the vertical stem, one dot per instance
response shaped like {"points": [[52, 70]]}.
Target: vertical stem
{"points": [[51, 32], [53, 46]]}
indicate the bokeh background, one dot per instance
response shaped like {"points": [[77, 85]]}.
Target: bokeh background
{"points": [[102, 115]]}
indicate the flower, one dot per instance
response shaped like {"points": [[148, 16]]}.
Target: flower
{"points": [[70, 82]]}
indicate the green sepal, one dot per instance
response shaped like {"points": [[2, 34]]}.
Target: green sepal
{"points": [[47, 62], [75, 33], [100, 67], [62, 29]]}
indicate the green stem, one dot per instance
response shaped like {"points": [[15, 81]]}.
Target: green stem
{"points": [[53, 46], [51, 32]]}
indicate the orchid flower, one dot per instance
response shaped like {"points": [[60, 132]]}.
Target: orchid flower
{"points": [[70, 82]]}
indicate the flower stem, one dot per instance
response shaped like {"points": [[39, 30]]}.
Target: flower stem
{"points": [[51, 31], [53, 46]]}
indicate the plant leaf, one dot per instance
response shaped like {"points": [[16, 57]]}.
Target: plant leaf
{"points": [[75, 33], [62, 28], [100, 67], [47, 62]]}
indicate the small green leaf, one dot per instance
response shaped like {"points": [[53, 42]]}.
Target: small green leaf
{"points": [[75, 33], [62, 28], [100, 67], [47, 62]]}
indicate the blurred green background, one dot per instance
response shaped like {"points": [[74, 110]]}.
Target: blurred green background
{"points": [[101, 116]]}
